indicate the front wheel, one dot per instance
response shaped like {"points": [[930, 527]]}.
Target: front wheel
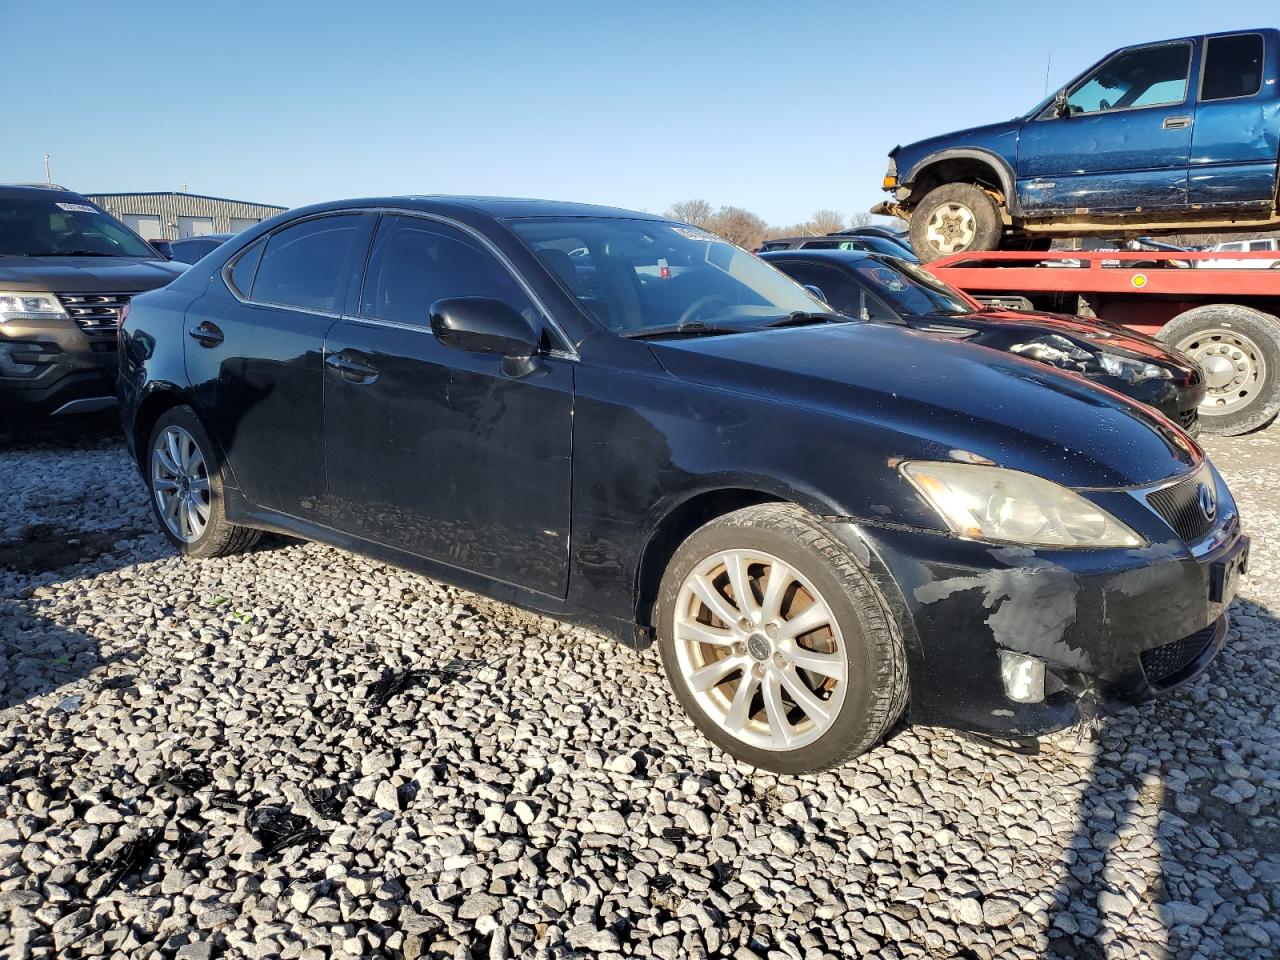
{"points": [[1238, 348], [955, 218], [777, 644]]}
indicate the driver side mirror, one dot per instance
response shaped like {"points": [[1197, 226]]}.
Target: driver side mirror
{"points": [[483, 325], [1061, 105]]}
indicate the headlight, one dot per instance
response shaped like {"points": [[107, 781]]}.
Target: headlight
{"points": [[22, 305], [991, 503], [1130, 370]]}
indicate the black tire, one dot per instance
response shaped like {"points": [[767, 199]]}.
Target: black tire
{"points": [[219, 538], [1202, 333], [982, 223], [876, 692]]}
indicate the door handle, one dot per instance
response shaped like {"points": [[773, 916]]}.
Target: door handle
{"points": [[206, 333], [352, 370], [1177, 123]]}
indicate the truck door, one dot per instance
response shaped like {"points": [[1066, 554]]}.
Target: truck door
{"points": [[1125, 143], [1237, 128]]}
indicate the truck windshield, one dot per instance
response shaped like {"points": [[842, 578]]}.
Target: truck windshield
{"points": [[637, 275], [911, 290], [58, 226]]}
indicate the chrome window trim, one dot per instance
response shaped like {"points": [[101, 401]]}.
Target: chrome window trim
{"points": [[567, 351]]}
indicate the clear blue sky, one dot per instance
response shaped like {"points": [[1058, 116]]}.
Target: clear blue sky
{"points": [[780, 107]]}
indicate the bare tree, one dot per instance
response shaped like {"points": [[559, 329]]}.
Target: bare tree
{"points": [[697, 212], [826, 221], [738, 226], [861, 219]]}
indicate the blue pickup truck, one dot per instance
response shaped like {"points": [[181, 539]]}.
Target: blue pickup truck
{"points": [[1170, 137]]}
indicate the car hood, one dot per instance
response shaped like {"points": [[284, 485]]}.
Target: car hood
{"points": [[1004, 329], [939, 397], [85, 274]]}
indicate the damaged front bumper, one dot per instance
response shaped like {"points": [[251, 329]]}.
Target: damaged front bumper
{"points": [[1012, 641]]}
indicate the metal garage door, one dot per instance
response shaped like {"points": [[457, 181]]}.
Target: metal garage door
{"points": [[145, 225], [194, 226], [242, 223]]}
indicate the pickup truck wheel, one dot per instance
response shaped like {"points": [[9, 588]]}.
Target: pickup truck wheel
{"points": [[777, 644], [954, 218], [1239, 350]]}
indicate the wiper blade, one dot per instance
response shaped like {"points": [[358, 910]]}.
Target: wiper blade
{"points": [[798, 318], [690, 328]]}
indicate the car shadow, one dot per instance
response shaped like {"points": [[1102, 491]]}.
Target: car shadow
{"points": [[1172, 854]]}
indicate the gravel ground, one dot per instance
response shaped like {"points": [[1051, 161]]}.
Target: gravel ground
{"points": [[199, 760]]}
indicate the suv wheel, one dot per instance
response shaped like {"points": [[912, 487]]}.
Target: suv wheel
{"points": [[777, 644], [954, 218], [186, 489]]}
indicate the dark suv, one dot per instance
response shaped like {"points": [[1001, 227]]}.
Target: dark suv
{"points": [[67, 269]]}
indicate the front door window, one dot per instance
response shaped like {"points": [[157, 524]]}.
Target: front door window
{"points": [[1147, 77]]}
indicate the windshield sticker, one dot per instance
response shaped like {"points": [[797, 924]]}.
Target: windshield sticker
{"points": [[76, 207], [889, 279], [693, 233]]}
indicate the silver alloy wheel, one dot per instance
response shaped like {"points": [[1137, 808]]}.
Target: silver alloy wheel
{"points": [[1234, 368], [760, 650], [180, 483], [951, 227]]}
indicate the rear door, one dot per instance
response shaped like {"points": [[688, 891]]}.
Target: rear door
{"points": [[453, 456], [1237, 129], [253, 355], [1126, 145]]}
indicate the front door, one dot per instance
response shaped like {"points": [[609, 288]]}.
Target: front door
{"points": [[253, 355], [449, 455], [1125, 145]]}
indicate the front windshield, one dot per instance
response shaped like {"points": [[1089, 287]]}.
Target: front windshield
{"points": [[638, 275], [909, 289], [54, 226]]}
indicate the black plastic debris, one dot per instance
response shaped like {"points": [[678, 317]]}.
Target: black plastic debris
{"points": [[393, 683], [276, 828], [662, 882], [675, 835], [184, 781], [132, 857], [328, 802]]}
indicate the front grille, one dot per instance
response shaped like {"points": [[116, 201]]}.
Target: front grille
{"points": [[1179, 505], [98, 314], [1164, 663]]}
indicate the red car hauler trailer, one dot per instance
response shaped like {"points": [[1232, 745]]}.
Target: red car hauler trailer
{"points": [[1225, 319]]}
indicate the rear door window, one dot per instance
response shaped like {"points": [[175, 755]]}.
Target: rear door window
{"points": [[304, 265], [1232, 67]]}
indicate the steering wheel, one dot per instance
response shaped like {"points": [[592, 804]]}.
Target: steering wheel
{"points": [[695, 308]]}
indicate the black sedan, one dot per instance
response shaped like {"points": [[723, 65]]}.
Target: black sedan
{"points": [[630, 423], [890, 290], [191, 249]]}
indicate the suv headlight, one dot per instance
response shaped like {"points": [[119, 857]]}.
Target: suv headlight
{"points": [[24, 305], [992, 503], [1130, 370]]}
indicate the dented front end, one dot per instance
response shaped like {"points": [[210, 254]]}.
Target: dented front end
{"points": [[1016, 641]]}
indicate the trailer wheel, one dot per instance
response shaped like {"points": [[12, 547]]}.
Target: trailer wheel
{"points": [[1239, 350], [954, 218]]}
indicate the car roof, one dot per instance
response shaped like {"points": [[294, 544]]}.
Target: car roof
{"points": [[850, 257], [204, 236], [500, 208], [40, 189]]}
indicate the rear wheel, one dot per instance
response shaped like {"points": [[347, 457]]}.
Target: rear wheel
{"points": [[1238, 348], [954, 218], [777, 644], [186, 489]]}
